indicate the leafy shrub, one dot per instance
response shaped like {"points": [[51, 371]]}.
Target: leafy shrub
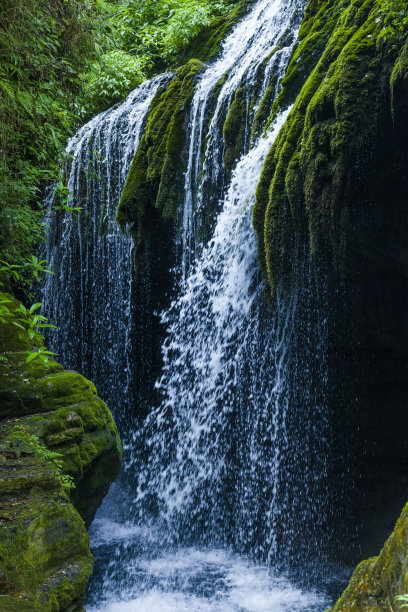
{"points": [[395, 19], [185, 22], [163, 28], [110, 79], [44, 45], [62, 60]]}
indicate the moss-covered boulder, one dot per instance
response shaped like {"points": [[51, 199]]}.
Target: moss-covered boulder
{"points": [[234, 129], [377, 581], [156, 175], [45, 559]]}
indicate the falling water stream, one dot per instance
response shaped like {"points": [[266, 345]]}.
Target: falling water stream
{"points": [[225, 502]]}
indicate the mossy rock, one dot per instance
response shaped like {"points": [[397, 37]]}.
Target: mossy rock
{"points": [[234, 129], [307, 195], [45, 559], [155, 178], [377, 581], [319, 21], [208, 43], [44, 550]]}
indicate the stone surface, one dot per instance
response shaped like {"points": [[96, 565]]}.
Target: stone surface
{"points": [[45, 559], [377, 581]]}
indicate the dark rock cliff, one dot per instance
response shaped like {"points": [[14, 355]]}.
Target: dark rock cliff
{"points": [[335, 187]]}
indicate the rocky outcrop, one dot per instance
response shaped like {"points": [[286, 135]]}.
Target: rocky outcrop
{"points": [[52, 426], [155, 179], [377, 581], [311, 183]]}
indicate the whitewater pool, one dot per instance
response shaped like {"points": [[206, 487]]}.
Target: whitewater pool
{"points": [[136, 572]]}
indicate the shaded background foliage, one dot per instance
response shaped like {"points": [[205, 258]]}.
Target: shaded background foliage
{"points": [[60, 62]]}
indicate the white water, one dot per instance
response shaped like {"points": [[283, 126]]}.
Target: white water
{"points": [[187, 579], [91, 294], [209, 327], [243, 53]]}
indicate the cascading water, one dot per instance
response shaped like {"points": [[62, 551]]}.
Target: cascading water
{"points": [[218, 453], [250, 54], [225, 464], [92, 258]]}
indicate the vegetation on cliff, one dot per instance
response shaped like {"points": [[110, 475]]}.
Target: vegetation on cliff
{"points": [[62, 61], [44, 45], [307, 194]]}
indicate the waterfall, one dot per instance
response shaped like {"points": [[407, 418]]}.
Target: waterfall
{"points": [[91, 294], [225, 436], [236, 379], [252, 47], [226, 480]]}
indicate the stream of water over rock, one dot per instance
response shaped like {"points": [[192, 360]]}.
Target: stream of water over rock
{"points": [[225, 498]]}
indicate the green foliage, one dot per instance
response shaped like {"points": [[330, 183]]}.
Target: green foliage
{"points": [[395, 19], [61, 61], [184, 24], [28, 322], [46, 456], [44, 45], [63, 196], [403, 599], [111, 78], [163, 28]]}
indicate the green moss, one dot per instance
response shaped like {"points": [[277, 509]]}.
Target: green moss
{"points": [[264, 110], [234, 129], [45, 560], [399, 77], [306, 186], [218, 86], [208, 43], [44, 552], [156, 173], [376, 582], [317, 26]]}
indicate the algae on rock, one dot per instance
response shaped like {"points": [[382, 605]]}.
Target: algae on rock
{"points": [[155, 177], [45, 559], [377, 581]]}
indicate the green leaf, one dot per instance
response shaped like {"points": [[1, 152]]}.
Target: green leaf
{"points": [[35, 307]]}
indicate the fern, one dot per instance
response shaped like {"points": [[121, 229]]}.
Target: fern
{"points": [[47, 456]]}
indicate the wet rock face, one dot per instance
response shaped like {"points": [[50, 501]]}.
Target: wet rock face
{"points": [[45, 559], [335, 185], [378, 296], [377, 581]]}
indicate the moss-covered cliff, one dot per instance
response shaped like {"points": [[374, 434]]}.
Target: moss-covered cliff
{"points": [[377, 581], [333, 192], [155, 177], [309, 189], [45, 559]]}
